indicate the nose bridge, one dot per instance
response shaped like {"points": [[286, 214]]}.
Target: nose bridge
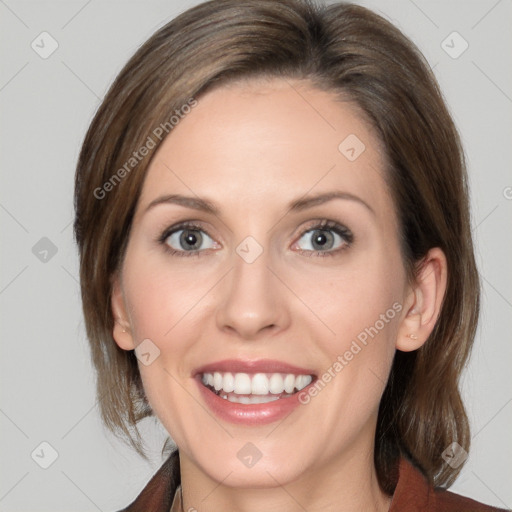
{"points": [[252, 301]]}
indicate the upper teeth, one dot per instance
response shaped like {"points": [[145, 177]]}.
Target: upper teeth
{"points": [[256, 384]]}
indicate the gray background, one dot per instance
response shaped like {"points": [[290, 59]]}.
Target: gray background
{"points": [[47, 383]]}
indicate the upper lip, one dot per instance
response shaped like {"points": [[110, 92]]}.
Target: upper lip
{"points": [[252, 366]]}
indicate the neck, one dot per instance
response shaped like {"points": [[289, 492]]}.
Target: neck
{"points": [[338, 486]]}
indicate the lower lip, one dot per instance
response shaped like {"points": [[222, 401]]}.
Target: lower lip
{"points": [[248, 414]]}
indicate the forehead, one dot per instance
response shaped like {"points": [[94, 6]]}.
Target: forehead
{"points": [[265, 143]]}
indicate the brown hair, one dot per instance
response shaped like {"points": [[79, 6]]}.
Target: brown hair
{"points": [[342, 48]]}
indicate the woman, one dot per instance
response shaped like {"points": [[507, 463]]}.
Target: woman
{"points": [[276, 261]]}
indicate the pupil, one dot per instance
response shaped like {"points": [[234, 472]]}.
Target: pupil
{"points": [[190, 238], [321, 239]]}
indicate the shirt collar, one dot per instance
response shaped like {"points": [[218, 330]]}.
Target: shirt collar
{"points": [[412, 493], [176, 502]]}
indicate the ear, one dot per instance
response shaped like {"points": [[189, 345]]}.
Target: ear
{"points": [[424, 300], [122, 332]]}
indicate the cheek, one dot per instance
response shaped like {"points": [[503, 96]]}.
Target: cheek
{"points": [[350, 302], [357, 301], [360, 309], [358, 355], [335, 312], [163, 302], [160, 296]]}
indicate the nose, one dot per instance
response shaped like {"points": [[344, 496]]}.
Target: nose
{"points": [[253, 303]]}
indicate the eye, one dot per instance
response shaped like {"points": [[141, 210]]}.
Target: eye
{"points": [[187, 239], [327, 237]]}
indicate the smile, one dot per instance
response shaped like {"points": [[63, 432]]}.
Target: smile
{"points": [[252, 392], [257, 388]]}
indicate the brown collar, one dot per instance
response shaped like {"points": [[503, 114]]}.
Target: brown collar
{"points": [[413, 493]]}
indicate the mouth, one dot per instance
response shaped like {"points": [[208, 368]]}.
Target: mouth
{"points": [[252, 392], [254, 388]]}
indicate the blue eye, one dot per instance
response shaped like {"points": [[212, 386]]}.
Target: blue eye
{"points": [[327, 237], [187, 239]]}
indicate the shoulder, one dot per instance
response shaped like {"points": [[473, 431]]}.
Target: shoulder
{"points": [[448, 501], [413, 493], [158, 494]]}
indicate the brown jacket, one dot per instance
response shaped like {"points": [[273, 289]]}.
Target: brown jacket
{"points": [[412, 493]]}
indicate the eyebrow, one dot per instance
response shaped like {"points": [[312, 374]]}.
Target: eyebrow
{"points": [[309, 202], [204, 205]]}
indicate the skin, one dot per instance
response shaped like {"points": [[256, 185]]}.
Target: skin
{"points": [[251, 148]]}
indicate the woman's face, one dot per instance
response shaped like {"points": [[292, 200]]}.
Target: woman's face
{"points": [[288, 276]]}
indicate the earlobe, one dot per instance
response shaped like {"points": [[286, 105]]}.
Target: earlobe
{"points": [[424, 303], [122, 330]]}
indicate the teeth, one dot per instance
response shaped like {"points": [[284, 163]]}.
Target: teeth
{"points": [[228, 383], [276, 384], [289, 383], [253, 399], [258, 385], [217, 381], [242, 384], [301, 381]]}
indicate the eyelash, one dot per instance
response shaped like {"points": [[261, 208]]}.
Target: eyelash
{"points": [[324, 225]]}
